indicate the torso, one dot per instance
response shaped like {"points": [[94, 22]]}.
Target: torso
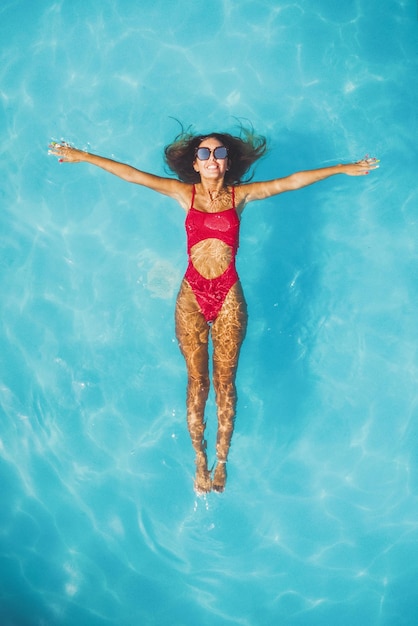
{"points": [[211, 256]]}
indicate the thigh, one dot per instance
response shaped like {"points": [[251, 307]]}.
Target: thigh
{"points": [[192, 331], [228, 330]]}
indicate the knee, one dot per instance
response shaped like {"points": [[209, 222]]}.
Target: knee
{"points": [[199, 384], [224, 384]]}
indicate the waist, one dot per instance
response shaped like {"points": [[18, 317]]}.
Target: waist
{"points": [[211, 257], [228, 276]]}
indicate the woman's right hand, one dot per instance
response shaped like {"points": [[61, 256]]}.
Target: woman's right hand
{"points": [[66, 152], [168, 186]]}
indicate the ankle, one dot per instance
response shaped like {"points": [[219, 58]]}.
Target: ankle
{"points": [[201, 459]]}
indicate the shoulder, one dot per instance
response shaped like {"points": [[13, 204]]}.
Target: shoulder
{"points": [[183, 193], [244, 193], [249, 192]]}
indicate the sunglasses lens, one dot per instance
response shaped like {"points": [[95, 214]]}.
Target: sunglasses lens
{"points": [[220, 152], [203, 154]]}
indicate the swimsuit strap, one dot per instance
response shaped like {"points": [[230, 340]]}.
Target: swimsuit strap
{"points": [[233, 197], [193, 195]]}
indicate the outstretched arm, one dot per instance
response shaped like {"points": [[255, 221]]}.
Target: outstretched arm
{"points": [[259, 191], [168, 186]]}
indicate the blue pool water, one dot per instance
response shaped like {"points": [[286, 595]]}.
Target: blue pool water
{"points": [[99, 524]]}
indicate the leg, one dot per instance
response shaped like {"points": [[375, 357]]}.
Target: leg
{"points": [[192, 332], [228, 332]]}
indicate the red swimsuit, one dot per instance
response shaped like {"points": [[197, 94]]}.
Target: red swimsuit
{"points": [[210, 293]]}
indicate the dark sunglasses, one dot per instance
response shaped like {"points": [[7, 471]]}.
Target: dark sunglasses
{"points": [[203, 154]]}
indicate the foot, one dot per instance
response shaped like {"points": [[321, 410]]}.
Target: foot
{"points": [[203, 481], [219, 477]]}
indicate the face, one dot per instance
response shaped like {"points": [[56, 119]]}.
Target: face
{"points": [[214, 168]]}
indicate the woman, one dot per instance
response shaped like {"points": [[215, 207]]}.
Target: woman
{"points": [[210, 188]]}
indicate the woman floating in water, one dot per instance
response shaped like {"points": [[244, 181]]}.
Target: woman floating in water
{"points": [[210, 189]]}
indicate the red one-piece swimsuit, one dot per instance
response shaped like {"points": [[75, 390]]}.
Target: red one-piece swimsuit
{"points": [[210, 293]]}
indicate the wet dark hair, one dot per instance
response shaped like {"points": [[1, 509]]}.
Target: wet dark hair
{"points": [[243, 152]]}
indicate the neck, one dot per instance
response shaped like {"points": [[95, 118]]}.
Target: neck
{"points": [[212, 189]]}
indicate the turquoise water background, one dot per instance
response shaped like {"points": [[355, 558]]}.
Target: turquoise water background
{"points": [[99, 524]]}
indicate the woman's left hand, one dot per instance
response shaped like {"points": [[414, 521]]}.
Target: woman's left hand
{"points": [[360, 168]]}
